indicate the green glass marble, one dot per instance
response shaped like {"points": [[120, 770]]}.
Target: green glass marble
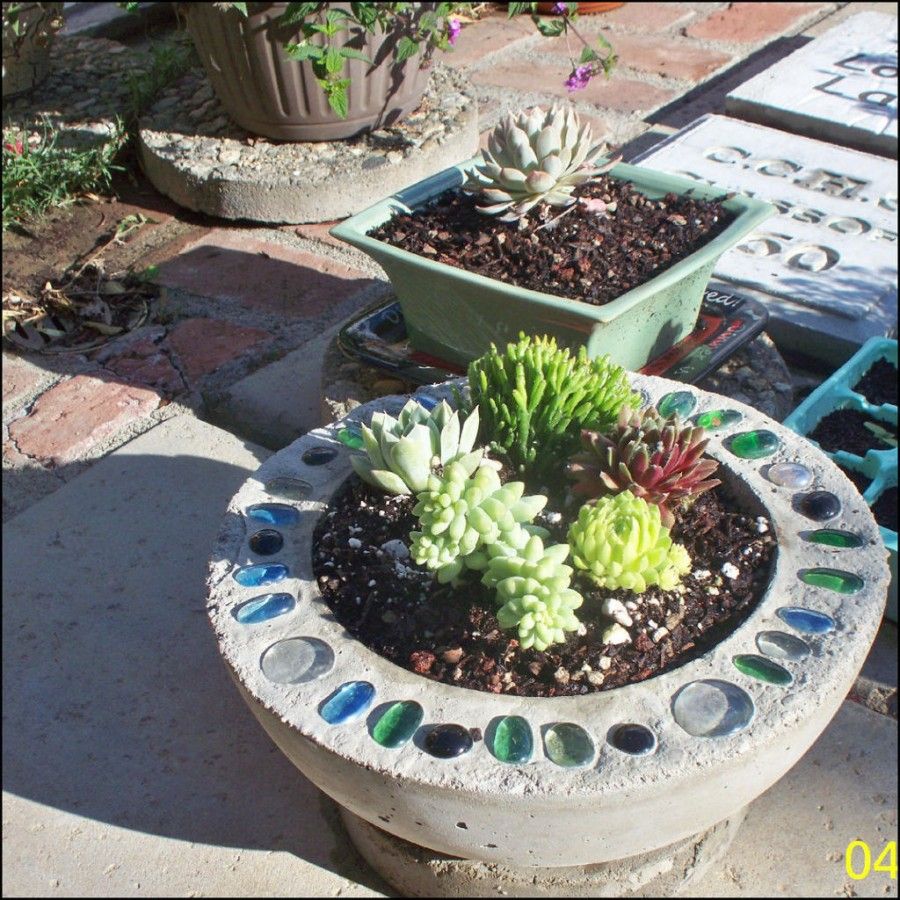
{"points": [[833, 580], [397, 724], [513, 742], [678, 403], [568, 745], [714, 419], [351, 436], [834, 537], [754, 444], [763, 669]]}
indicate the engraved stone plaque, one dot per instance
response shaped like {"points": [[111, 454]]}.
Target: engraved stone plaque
{"points": [[828, 261], [841, 87]]}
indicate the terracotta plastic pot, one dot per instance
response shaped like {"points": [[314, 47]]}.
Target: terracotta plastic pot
{"points": [[547, 8], [26, 60], [269, 94]]}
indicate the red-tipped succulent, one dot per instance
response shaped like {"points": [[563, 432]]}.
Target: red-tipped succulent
{"points": [[655, 458]]}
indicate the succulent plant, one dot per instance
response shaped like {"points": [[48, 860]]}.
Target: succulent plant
{"points": [[533, 588], [620, 542], [535, 157], [658, 459], [467, 517], [401, 453], [535, 398]]}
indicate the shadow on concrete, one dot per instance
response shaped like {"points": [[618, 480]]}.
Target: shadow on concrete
{"points": [[116, 704]]}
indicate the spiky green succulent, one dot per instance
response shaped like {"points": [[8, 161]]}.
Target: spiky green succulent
{"points": [[536, 397], [533, 590], [620, 542], [535, 157], [401, 453], [467, 517], [658, 459]]}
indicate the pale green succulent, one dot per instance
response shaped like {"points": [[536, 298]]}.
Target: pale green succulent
{"points": [[467, 517], [535, 157], [533, 588], [620, 542], [401, 453]]}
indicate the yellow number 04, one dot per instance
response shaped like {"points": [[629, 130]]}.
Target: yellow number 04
{"points": [[886, 862]]}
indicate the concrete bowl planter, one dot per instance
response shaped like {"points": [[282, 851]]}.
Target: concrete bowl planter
{"points": [[455, 315], [718, 737]]}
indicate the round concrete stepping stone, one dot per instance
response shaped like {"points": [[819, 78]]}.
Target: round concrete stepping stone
{"points": [[193, 153]]}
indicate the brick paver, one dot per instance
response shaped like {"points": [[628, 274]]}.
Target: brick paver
{"points": [[617, 93], [234, 264], [747, 23], [487, 36], [145, 361], [647, 17], [78, 414], [204, 345], [316, 231]]}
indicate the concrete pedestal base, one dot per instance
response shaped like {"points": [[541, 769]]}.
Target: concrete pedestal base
{"points": [[419, 872]]}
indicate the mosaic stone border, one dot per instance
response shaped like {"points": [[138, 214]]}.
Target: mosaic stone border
{"points": [[540, 813]]}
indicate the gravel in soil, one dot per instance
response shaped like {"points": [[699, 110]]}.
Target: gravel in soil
{"points": [[879, 384], [583, 256], [885, 509], [398, 609], [852, 431]]}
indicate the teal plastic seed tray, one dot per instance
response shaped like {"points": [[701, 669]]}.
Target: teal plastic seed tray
{"points": [[841, 391]]}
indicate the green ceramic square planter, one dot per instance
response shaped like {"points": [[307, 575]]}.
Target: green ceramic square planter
{"points": [[455, 315]]}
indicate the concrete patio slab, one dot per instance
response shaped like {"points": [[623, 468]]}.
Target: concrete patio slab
{"points": [[130, 765], [842, 87]]}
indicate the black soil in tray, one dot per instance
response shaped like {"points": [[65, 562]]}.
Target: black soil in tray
{"points": [[861, 481], [845, 429], [885, 509], [879, 384], [451, 634], [583, 256]]}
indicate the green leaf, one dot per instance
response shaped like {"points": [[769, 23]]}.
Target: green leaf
{"points": [[365, 13], [303, 51], [406, 47], [553, 28], [333, 60], [240, 7], [350, 53], [587, 55], [515, 9], [297, 12], [338, 100]]}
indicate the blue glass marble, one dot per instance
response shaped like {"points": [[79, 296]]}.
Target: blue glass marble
{"points": [[351, 436], [712, 708], [448, 741], [297, 660], [427, 400], [288, 488], [318, 456], [261, 574], [263, 608], [266, 542], [820, 505], [273, 513], [636, 740], [807, 621], [347, 702]]}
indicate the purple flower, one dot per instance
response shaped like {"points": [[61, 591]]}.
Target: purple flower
{"points": [[453, 29], [560, 9], [579, 79]]}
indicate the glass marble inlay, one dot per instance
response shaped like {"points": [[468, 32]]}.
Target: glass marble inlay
{"points": [[261, 609], [261, 574], [348, 702], [712, 708], [833, 580], [762, 669], [273, 513], [716, 419], [568, 745], [513, 741], [790, 475], [288, 488], [427, 400], [781, 645], [834, 537], [297, 660], [820, 505], [266, 542], [754, 444], [678, 403], [636, 740], [351, 436], [318, 456], [807, 621], [398, 724], [448, 741]]}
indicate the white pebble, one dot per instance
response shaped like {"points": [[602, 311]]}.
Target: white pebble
{"points": [[730, 571], [701, 574], [396, 548], [595, 678], [355, 543], [372, 583], [712, 591], [616, 611], [554, 518], [659, 634], [652, 624], [762, 526], [615, 634], [631, 605], [605, 662]]}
